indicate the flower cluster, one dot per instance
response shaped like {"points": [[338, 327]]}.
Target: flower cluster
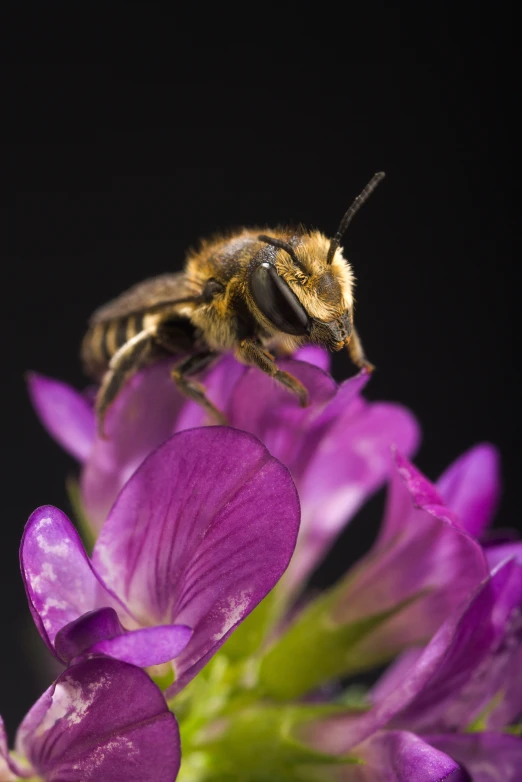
{"points": [[190, 646]]}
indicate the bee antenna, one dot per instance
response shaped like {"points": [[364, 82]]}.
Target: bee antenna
{"points": [[352, 211], [283, 246]]}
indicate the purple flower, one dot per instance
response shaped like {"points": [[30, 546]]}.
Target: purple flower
{"points": [[337, 449], [471, 487], [423, 567], [101, 719], [197, 537], [456, 695]]}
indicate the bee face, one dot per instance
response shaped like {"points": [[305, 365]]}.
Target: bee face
{"points": [[299, 294]]}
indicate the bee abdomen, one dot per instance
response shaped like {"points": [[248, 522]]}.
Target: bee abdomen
{"points": [[104, 339]]}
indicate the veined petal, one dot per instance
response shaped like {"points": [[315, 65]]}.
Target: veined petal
{"points": [[488, 757], [58, 577], [66, 414], [103, 719], [142, 417], [199, 535], [471, 487]]}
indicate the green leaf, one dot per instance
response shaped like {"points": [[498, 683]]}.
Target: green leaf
{"points": [[316, 649]]}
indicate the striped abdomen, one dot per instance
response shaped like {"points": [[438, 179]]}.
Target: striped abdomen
{"points": [[104, 339]]}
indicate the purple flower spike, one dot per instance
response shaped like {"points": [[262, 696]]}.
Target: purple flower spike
{"points": [[101, 719], [337, 449], [197, 538]]}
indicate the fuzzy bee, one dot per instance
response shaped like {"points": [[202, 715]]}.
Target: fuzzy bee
{"points": [[252, 293]]}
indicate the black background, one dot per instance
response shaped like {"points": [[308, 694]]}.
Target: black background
{"points": [[129, 133]]}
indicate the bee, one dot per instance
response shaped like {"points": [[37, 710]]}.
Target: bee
{"points": [[258, 294]]}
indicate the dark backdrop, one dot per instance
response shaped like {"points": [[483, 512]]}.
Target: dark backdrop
{"points": [[126, 136]]}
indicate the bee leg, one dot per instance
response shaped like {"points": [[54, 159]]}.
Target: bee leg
{"points": [[249, 352], [125, 362], [191, 388], [356, 351]]}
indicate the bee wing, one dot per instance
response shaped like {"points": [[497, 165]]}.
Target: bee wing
{"points": [[146, 295]]}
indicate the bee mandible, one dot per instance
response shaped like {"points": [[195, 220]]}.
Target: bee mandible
{"points": [[258, 294]]}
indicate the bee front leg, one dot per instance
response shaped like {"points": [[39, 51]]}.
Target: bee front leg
{"points": [[249, 352], [191, 388], [356, 351], [125, 362]]}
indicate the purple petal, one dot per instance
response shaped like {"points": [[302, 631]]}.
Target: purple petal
{"points": [[86, 631], [400, 756], [395, 673], [262, 406], [149, 646], [313, 354], [449, 683], [142, 417], [408, 487], [347, 400], [199, 535], [496, 554], [219, 383], [66, 414], [482, 659], [470, 487], [349, 462], [58, 577], [105, 720], [488, 757], [423, 556]]}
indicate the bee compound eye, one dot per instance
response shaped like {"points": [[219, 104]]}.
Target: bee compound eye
{"points": [[277, 301]]}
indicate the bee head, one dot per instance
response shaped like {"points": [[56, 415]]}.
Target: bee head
{"points": [[303, 286]]}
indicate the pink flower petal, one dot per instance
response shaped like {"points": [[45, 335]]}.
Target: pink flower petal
{"points": [[66, 414], [142, 417], [102, 719], [58, 577], [487, 757], [199, 535], [148, 646], [313, 354], [399, 756], [349, 462], [471, 488], [450, 682]]}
